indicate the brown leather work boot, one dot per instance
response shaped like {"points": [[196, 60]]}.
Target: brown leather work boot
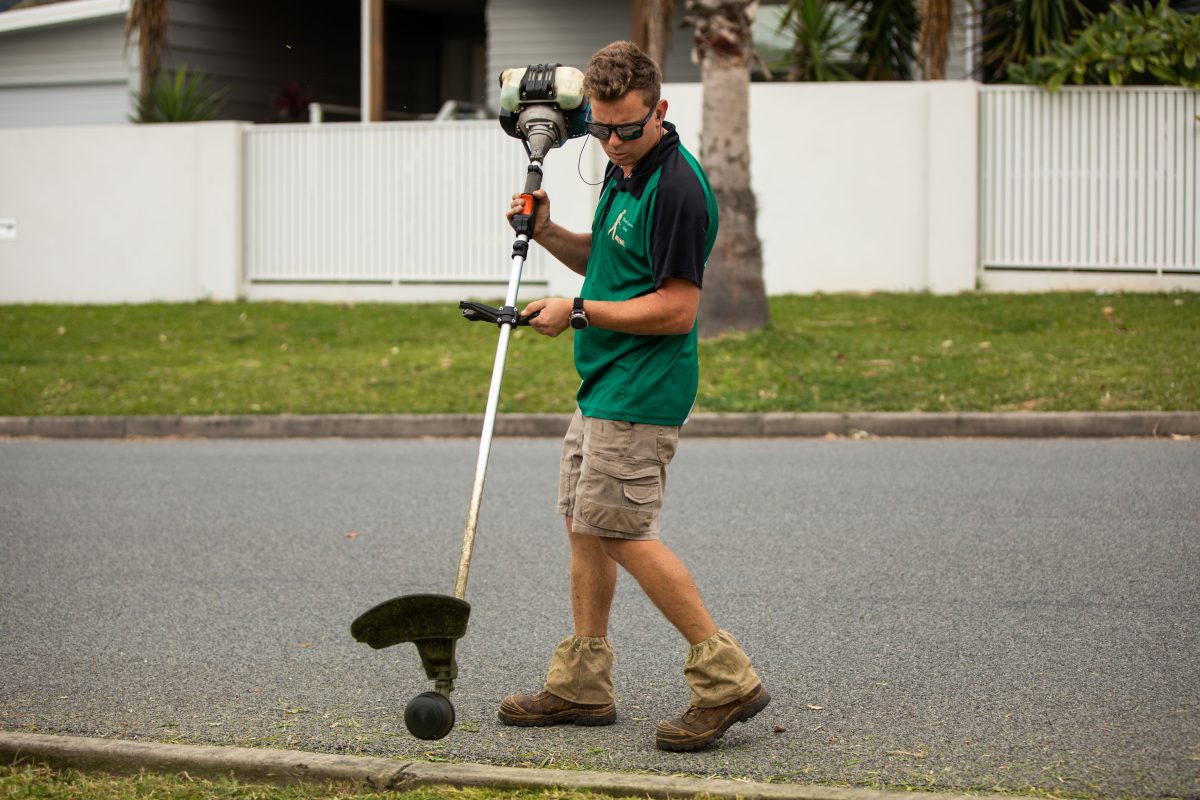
{"points": [[699, 727], [543, 708]]}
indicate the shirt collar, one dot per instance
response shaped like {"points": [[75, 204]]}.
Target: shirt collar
{"points": [[635, 184]]}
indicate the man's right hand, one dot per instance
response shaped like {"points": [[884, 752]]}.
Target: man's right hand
{"points": [[541, 210]]}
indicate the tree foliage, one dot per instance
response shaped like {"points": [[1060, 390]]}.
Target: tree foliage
{"points": [[1015, 31], [1154, 44], [851, 39], [885, 49], [821, 41]]}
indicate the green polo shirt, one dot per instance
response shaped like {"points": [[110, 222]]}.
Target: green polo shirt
{"points": [[658, 223]]}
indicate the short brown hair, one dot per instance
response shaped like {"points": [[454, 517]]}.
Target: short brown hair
{"points": [[621, 68]]}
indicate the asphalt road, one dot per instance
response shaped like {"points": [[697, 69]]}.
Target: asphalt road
{"points": [[946, 613]]}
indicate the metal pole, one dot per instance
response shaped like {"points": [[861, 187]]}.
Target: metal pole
{"points": [[364, 102], [489, 425], [533, 181]]}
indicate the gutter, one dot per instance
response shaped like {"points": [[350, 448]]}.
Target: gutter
{"points": [[65, 13]]}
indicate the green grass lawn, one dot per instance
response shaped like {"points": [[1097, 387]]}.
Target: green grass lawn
{"points": [[39, 783], [905, 352]]}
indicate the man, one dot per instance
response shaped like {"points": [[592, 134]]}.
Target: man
{"points": [[636, 352]]}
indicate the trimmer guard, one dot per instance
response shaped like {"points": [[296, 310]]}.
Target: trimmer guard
{"points": [[433, 622]]}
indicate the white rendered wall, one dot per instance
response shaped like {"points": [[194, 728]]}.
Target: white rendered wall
{"points": [[122, 213], [860, 186]]}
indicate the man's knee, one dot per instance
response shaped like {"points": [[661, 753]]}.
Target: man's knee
{"points": [[619, 550]]}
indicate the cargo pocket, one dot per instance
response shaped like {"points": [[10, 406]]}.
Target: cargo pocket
{"points": [[620, 496]]}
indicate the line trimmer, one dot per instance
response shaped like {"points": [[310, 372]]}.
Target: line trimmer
{"points": [[543, 106]]}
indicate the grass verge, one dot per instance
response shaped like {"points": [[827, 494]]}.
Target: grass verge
{"points": [[29, 782], [910, 352], [40, 783]]}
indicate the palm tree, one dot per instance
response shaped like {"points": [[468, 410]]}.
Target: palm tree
{"points": [[735, 297], [821, 40], [148, 19], [1015, 31], [657, 22], [937, 21], [885, 47]]}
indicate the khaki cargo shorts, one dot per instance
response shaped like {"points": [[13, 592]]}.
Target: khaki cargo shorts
{"points": [[613, 476]]}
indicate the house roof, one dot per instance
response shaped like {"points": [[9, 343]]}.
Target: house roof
{"points": [[63, 13]]}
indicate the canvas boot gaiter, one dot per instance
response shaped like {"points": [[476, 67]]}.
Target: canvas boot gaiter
{"points": [[719, 671], [581, 670]]}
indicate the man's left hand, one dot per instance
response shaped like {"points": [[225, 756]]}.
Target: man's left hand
{"points": [[553, 319]]}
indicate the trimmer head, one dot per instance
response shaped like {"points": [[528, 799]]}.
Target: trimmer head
{"points": [[433, 622]]}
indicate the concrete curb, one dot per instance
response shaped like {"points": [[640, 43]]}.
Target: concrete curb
{"points": [[380, 774], [1050, 424]]}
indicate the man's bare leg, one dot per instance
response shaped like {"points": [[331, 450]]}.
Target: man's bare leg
{"points": [[579, 683], [593, 582], [666, 581]]}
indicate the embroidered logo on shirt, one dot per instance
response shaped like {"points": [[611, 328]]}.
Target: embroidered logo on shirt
{"points": [[621, 224]]}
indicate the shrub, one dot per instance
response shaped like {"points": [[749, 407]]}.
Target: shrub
{"points": [[1152, 45]]}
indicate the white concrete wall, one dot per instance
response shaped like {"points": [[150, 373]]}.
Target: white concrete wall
{"points": [[121, 213], [860, 186]]}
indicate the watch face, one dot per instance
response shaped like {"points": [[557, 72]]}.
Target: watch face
{"points": [[578, 321]]}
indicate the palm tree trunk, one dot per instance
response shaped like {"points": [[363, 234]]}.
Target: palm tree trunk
{"points": [[936, 23], [658, 31], [148, 18], [734, 296]]}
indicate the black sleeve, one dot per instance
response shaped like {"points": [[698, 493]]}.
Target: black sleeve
{"points": [[679, 226]]}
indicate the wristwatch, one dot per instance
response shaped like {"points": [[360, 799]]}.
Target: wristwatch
{"points": [[578, 319]]}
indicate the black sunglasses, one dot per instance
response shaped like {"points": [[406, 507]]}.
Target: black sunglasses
{"points": [[626, 133]]}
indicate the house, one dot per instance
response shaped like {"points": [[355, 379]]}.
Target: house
{"points": [[66, 62]]}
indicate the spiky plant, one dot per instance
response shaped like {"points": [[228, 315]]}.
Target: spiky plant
{"points": [[1015, 31], [181, 96], [821, 38], [889, 30]]}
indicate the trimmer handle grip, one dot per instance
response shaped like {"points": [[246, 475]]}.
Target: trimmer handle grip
{"points": [[522, 221], [478, 312]]}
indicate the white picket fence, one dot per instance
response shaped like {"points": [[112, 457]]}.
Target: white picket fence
{"points": [[378, 203], [1090, 179]]}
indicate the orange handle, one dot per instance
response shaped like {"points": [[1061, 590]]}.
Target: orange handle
{"points": [[527, 207]]}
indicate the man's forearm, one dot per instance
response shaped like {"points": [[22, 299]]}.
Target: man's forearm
{"points": [[650, 314], [571, 248]]}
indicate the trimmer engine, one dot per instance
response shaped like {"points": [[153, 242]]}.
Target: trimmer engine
{"points": [[543, 106]]}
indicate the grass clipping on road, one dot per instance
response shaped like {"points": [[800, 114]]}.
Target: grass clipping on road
{"points": [[839, 353]]}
